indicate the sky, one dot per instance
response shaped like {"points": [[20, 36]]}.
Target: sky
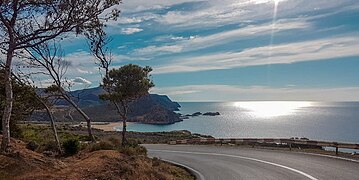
{"points": [[232, 50]]}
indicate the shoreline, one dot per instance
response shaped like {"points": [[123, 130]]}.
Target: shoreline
{"points": [[107, 126]]}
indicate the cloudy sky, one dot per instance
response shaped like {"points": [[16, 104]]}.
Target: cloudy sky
{"points": [[229, 50]]}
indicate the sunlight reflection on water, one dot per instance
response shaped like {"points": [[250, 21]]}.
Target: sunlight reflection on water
{"points": [[267, 109]]}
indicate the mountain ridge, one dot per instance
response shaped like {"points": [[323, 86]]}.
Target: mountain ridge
{"points": [[150, 109]]}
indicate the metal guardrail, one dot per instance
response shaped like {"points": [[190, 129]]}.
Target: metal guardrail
{"points": [[288, 142]]}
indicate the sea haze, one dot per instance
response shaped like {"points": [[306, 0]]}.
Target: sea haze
{"points": [[333, 121]]}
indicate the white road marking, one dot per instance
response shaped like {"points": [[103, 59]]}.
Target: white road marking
{"points": [[200, 175], [241, 157]]}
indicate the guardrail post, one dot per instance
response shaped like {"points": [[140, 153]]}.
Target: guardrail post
{"points": [[336, 150], [290, 146]]}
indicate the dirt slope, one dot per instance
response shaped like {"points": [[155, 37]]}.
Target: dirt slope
{"points": [[104, 164]]}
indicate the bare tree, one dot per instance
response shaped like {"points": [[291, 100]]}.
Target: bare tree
{"points": [[52, 122], [28, 23], [50, 58]]}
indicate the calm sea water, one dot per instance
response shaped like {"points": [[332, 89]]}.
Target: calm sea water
{"points": [[333, 121]]}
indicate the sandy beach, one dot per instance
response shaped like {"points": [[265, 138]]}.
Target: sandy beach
{"points": [[106, 126]]}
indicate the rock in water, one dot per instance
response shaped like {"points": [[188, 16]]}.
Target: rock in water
{"points": [[211, 114]]}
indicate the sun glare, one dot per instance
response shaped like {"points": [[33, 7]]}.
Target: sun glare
{"points": [[267, 109]]}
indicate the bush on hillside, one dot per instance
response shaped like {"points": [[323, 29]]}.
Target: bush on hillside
{"points": [[134, 151], [102, 145], [71, 147], [32, 145]]}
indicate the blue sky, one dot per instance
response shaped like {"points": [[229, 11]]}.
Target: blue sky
{"points": [[229, 50]]}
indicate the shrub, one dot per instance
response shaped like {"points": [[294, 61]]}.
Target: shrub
{"points": [[114, 140], [85, 138], [71, 146], [50, 146], [132, 142], [32, 145], [133, 151], [103, 145]]}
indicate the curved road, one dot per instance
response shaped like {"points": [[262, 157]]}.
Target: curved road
{"points": [[215, 162]]}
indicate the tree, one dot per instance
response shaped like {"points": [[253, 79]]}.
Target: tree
{"points": [[45, 104], [50, 58], [25, 101], [27, 23], [124, 85]]}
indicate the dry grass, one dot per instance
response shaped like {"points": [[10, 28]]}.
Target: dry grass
{"points": [[101, 164]]}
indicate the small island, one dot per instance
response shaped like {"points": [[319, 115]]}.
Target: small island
{"points": [[198, 114], [211, 114]]}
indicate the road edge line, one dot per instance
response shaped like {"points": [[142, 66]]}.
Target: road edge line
{"points": [[241, 157], [194, 172]]}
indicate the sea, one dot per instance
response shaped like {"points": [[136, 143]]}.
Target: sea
{"points": [[330, 121]]}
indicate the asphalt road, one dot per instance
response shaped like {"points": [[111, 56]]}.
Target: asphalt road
{"points": [[216, 162]]}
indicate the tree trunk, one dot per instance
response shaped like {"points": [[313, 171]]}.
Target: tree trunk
{"points": [[52, 125], [83, 114], [5, 144], [124, 125], [124, 122]]}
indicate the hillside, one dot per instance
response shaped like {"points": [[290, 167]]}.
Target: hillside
{"points": [[152, 109], [102, 164]]}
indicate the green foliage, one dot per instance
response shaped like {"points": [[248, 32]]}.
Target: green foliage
{"points": [[133, 142], [49, 146], [32, 135], [83, 137], [71, 146], [133, 151], [24, 103], [113, 143], [127, 83], [102, 145], [32, 145], [53, 89]]}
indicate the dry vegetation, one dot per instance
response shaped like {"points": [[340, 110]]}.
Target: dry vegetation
{"points": [[103, 160]]}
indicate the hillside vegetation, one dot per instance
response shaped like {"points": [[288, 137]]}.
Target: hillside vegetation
{"points": [[89, 163]]}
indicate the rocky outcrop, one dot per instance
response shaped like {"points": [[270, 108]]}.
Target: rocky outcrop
{"points": [[198, 114], [194, 114], [157, 115], [211, 114]]}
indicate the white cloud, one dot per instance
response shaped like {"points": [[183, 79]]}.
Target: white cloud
{"points": [[200, 93], [159, 49], [216, 13], [166, 38], [248, 31], [83, 71], [127, 20], [131, 30], [81, 80], [143, 5], [321, 49], [200, 42]]}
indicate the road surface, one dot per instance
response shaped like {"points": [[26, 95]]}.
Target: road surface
{"points": [[216, 162]]}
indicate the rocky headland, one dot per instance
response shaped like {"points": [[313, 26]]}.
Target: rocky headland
{"points": [[150, 109]]}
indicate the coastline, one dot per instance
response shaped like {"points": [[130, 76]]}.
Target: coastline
{"points": [[107, 126]]}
